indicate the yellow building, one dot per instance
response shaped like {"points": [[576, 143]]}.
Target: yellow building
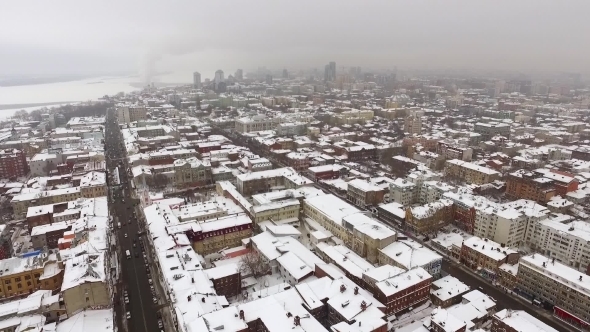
{"points": [[85, 284], [23, 276], [22, 202], [215, 234], [276, 211]]}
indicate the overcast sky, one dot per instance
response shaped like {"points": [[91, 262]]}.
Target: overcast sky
{"points": [[68, 37]]}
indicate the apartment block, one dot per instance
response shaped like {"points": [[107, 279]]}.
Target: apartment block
{"points": [[402, 191], [13, 163], [566, 242], [491, 129], [529, 185], [131, 113], [257, 182], [469, 172], [363, 193], [413, 124], [567, 290], [508, 223], [363, 234], [255, 123]]}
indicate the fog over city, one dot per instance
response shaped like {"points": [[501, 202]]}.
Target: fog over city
{"points": [[73, 37]]}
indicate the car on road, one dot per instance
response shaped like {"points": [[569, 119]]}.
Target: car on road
{"points": [[126, 300], [128, 315], [160, 324], [125, 234], [155, 300]]}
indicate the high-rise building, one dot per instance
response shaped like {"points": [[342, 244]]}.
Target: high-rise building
{"points": [[219, 80], [268, 79], [285, 73], [197, 80], [239, 75], [330, 72], [413, 125]]}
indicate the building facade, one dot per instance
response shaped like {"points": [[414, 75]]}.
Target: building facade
{"points": [[13, 164]]}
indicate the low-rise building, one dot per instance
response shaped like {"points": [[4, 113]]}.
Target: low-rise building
{"points": [[264, 181], [429, 218], [408, 254], [486, 256], [85, 284], [447, 291], [509, 320], [47, 236], [469, 172], [363, 234], [363, 193], [408, 289]]}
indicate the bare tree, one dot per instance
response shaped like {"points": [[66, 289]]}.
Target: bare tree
{"points": [[253, 264], [158, 181]]}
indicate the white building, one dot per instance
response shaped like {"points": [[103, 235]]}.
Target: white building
{"points": [[413, 125], [568, 243], [402, 191], [131, 113], [507, 223]]}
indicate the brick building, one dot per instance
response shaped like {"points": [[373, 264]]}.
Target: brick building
{"points": [[363, 193], [403, 291], [13, 163], [226, 279], [486, 256]]}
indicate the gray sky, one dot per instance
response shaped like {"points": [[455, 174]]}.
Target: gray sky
{"points": [[66, 37]]}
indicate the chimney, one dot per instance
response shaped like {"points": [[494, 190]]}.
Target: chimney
{"points": [[580, 278], [297, 321], [193, 280], [289, 314], [342, 288], [356, 290], [242, 315], [203, 299], [363, 306], [189, 298]]}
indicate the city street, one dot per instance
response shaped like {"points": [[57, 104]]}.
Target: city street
{"points": [[134, 274]]}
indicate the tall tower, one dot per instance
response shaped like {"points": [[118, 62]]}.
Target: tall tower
{"points": [[239, 75], [330, 72], [219, 81], [197, 80]]}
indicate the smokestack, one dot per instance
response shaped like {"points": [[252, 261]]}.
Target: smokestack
{"points": [[363, 306], [356, 290], [297, 321], [242, 315]]}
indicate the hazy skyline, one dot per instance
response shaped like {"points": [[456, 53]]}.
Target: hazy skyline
{"points": [[69, 37]]}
